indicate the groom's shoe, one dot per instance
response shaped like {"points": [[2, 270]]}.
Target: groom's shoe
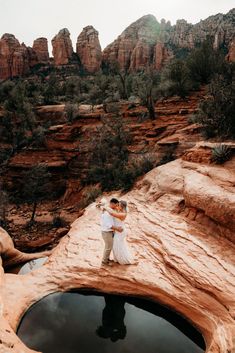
{"points": [[108, 263]]}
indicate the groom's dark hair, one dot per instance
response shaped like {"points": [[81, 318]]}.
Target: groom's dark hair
{"points": [[114, 201]]}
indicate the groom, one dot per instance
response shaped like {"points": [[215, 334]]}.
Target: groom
{"points": [[108, 228]]}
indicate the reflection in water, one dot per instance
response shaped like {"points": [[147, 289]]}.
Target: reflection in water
{"points": [[88, 323], [113, 326]]}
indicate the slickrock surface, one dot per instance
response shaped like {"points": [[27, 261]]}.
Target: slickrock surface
{"points": [[182, 262], [62, 47], [89, 49]]}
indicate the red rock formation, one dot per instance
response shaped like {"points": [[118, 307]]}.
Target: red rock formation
{"points": [[141, 56], [40, 47], [32, 57], [231, 54], [133, 47], [62, 47], [147, 42], [89, 49], [14, 58], [161, 55]]}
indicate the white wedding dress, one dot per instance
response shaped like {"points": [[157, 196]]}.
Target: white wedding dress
{"points": [[121, 251]]}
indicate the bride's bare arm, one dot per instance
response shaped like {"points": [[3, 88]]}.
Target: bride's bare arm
{"points": [[119, 215]]}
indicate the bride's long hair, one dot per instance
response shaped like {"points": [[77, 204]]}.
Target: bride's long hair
{"points": [[123, 205]]}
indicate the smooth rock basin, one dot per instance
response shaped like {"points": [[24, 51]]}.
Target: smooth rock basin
{"points": [[89, 322], [28, 266]]}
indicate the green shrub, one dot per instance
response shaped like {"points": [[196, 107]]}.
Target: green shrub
{"points": [[110, 153], [91, 194], [221, 154], [71, 111], [167, 157], [175, 79], [204, 62], [35, 186], [216, 112], [58, 222]]}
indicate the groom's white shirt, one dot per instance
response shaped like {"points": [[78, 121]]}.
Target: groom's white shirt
{"points": [[107, 222]]}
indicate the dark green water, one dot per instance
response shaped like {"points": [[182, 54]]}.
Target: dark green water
{"points": [[92, 323]]}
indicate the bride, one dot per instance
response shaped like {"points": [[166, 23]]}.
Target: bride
{"points": [[121, 251]]}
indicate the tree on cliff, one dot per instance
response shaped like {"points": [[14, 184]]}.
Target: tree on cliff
{"points": [[122, 75], [204, 62], [35, 186], [146, 86], [19, 116], [216, 112], [175, 79], [110, 153], [51, 90]]}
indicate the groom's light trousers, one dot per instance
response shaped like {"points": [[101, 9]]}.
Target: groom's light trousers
{"points": [[108, 245]]}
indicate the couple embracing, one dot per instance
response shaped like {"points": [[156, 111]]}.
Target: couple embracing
{"points": [[114, 232]]}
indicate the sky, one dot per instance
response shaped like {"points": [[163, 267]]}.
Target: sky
{"points": [[30, 19]]}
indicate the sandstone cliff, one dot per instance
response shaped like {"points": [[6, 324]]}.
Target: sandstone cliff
{"points": [[62, 47], [89, 49], [40, 47], [147, 41], [133, 48], [143, 43], [17, 59], [14, 57]]}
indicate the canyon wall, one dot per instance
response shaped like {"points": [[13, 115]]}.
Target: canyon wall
{"points": [[143, 43]]}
